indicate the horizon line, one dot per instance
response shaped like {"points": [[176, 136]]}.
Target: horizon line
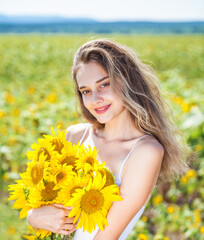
{"points": [[102, 20]]}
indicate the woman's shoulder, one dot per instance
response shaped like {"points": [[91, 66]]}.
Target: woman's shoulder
{"points": [[149, 147], [146, 148], [144, 162], [75, 132], [152, 143]]}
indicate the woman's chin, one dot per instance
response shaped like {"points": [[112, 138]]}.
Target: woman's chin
{"points": [[102, 121]]}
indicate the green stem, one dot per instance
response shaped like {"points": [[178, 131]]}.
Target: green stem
{"points": [[52, 236], [65, 237]]}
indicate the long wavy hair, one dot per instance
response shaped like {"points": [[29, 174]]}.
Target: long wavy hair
{"points": [[136, 84]]}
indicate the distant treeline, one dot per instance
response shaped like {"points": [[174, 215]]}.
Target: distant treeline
{"points": [[106, 27]]}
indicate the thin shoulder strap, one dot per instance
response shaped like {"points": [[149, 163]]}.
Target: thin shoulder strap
{"points": [[81, 140], [124, 161]]}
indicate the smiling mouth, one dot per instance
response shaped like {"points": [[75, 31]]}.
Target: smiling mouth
{"points": [[102, 109]]}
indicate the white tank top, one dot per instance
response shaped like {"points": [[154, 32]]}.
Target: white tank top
{"points": [[80, 235]]}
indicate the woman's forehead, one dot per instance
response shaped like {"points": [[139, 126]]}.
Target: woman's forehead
{"points": [[90, 72]]}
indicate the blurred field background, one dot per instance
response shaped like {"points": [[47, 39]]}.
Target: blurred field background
{"points": [[36, 92]]}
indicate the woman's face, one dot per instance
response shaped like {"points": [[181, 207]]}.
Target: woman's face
{"points": [[98, 97]]}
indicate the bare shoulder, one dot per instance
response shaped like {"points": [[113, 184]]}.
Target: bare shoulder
{"points": [[148, 149], [143, 166], [151, 145], [75, 132]]}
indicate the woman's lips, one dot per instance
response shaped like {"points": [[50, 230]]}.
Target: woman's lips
{"points": [[102, 109]]}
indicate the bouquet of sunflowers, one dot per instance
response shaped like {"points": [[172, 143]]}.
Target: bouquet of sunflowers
{"points": [[60, 172]]}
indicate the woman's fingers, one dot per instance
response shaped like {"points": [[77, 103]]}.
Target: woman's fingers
{"points": [[63, 232], [67, 210], [66, 213], [68, 227], [68, 220], [52, 218], [62, 206]]}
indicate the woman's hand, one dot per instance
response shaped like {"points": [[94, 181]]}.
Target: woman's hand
{"points": [[52, 218]]}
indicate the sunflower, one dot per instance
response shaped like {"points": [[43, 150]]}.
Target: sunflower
{"points": [[87, 158], [43, 233], [62, 173], [110, 179], [58, 141], [103, 170], [76, 182], [47, 195], [40, 233], [68, 156], [20, 193], [31, 237], [36, 172], [92, 203], [43, 146]]}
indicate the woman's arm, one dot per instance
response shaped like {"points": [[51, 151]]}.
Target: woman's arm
{"points": [[52, 218], [142, 171]]}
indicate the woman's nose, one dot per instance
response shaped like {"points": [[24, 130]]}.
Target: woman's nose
{"points": [[96, 98]]}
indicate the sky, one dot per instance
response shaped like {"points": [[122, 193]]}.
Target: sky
{"points": [[109, 10]]}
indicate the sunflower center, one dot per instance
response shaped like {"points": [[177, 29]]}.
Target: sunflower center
{"points": [[73, 190], [69, 160], [60, 176], [89, 160], [36, 173], [48, 194], [109, 178], [92, 201], [101, 172], [58, 145], [46, 153]]}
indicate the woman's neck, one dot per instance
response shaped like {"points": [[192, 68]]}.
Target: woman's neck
{"points": [[119, 129]]}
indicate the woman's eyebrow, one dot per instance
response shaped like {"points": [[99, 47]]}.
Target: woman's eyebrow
{"points": [[98, 81]]}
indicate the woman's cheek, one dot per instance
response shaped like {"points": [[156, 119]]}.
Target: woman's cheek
{"points": [[86, 103]]}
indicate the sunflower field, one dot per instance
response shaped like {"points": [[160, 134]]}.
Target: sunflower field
{"points": [[36, 92]]}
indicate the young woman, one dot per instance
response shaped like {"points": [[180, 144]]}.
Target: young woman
{"points": [[129, 122]]}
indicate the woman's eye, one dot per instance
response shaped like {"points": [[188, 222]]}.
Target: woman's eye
{"points": [[105, 85], [84, 92]]}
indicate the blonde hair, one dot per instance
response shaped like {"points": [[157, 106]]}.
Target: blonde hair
{"points": [[135, 83]]}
